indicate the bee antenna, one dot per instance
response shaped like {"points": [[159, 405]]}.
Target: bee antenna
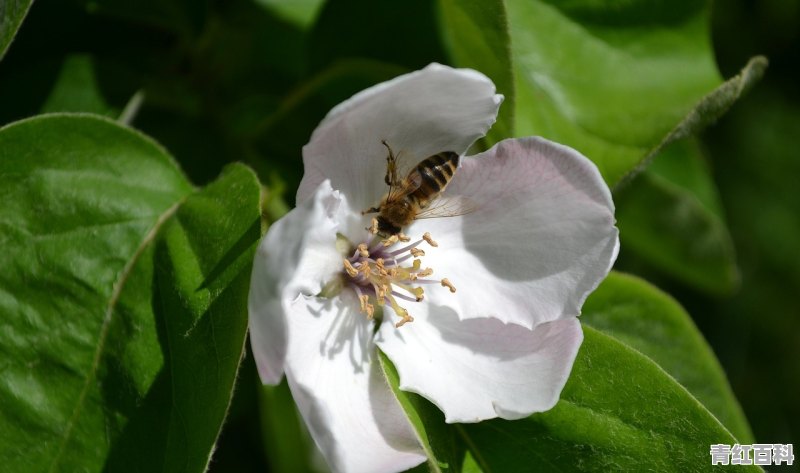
{"points": [[391, 153]]}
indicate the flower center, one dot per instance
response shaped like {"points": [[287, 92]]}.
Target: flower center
{"points": [[381, 274]]}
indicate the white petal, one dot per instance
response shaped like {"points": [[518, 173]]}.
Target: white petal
{"points": [[297, 256], [335, 379], [419, 114], [541, 239], [482, 368]]}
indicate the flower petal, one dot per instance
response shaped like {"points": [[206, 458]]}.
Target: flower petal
{"points": [[482, 368], [297, 256], [336, 382], [419, 114], [541, 239]]}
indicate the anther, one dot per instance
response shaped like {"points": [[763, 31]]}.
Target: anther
{"points": [[446, 283], [366, 307], [405, 318], [427, 237], [351, 270], [390, 241], [388, 276], [380, 293]]}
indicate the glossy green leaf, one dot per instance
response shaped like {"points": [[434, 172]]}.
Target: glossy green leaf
{"points": [[123, 299], [618, 412], [613, 82], [12, 12], [642, 317], [670, 217], [475, 35]]}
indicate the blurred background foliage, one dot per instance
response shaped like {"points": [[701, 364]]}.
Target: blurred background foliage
{"points": [[714, 220]]}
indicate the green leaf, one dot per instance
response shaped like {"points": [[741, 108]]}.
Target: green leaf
{"points": [[618, 412], [642, 317], [287, 444], [710, 108], [76, 89], [445, 453], [123, 299], [12, 12], [475, 35], [613, 82], [299, 12], [670, 216]]}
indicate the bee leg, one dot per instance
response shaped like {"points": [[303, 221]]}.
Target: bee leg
{"points": [[391, 178], [370, 210], [388, 178]]}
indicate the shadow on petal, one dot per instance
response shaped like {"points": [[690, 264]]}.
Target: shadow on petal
{"points": [[318, 420], [489, 336], [390, 419], [542, 212], [349, 334]]}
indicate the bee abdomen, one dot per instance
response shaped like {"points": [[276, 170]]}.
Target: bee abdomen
{"points": [[435, 172]]}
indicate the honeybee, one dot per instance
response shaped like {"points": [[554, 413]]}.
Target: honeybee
{"points": [[409, 197]]}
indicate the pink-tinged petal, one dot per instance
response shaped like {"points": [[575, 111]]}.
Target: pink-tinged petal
{"points": [[336, 382], [297, 256], [419, 114], [482, 368], [541, 238]]}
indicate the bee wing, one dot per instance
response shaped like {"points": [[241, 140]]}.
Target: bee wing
{"points": [[446, 206], [408, 179]]}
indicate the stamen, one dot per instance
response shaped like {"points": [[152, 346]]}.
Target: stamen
{"points": [[381, 275], [446, 283], [404, 297], [390, 241], [351, 271], [427, 237], [373, 228], [366, 307], [365, 270], [404, 316]]}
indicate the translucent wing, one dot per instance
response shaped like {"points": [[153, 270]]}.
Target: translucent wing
{"points": [[448, 206], [401, 175]]}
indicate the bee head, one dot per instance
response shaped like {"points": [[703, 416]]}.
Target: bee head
{"points": [[387, 228]]}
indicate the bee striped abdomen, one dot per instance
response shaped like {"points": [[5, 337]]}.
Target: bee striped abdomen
{"points": [[434, 173]]}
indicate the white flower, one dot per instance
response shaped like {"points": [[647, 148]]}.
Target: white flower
{"points": [[540, 240]]}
